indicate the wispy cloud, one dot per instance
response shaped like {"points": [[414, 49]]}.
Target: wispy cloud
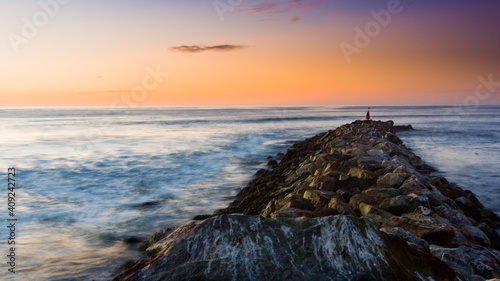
{"points": [[294, 19], [105, 92], [276, 7], [201, 48]]}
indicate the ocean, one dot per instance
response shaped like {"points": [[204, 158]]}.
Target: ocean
{"points": [[92, 180]]}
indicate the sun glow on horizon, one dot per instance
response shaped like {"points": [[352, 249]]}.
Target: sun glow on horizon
{"points": [[257, 54]]}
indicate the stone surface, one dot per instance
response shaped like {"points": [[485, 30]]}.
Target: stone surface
{"points": [[392, 192], [290, 212], [374, 213], [341, 207], [407, 236], [320, 198], [432, 228], [398, 205], [238, 247], [470, 260], [393, 179], [373, 199], [361, 174]]}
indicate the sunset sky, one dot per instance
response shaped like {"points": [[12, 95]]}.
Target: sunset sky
{"points": [[76, 52]]}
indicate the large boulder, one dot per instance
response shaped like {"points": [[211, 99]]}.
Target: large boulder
{"points": [[427, 225], [361, 174], [374, 213], [398, 205], [374, 199], [239, 247], [470, 261], [393, 179]]}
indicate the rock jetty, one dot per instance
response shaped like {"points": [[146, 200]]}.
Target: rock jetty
{"points": [[349, 204]]}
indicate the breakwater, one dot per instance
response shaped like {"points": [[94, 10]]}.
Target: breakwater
{"points": [[350, 204]]}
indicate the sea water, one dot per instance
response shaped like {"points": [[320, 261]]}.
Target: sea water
{"points": [[89, 179]]}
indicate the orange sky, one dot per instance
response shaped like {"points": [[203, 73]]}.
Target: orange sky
{"points": [[289, 53]]}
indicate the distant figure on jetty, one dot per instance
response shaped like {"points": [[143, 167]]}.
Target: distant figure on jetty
{"points": [[368, 115]]}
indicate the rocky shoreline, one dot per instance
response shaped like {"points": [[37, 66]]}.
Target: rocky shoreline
{"points": [[349, 204]]}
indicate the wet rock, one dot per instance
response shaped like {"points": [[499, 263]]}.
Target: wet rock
{"points": [[390, 164], [347, 194], [361, 146], [341, 207], [128, 264], [328, 184], [276, 204], [398, 205], [438, 180], [272, 163], [431, 228], [393, 138], [393, 179], [202, 217], [290, 212], [449, 189], [301, 203], [492, 235], [414, 185], [370, 163], [456, 258], [373, 199], [488, 214], [424, 211], [319, 198], [407, 236], [420, 200], [162, 244], [376, 152], [401, 169], [479, 237], [483, 261], [291, 177], [159, 235], [232, 247], [470, 209], [402, 128], [304, 169], [376, 214], [337, 143], [361, 174], [323, 212], [353, 152], [352, 183], [401, 161], [392, 192]]}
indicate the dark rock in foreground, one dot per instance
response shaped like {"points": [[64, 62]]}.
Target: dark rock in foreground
{"points": [[239, 247], [349, 204]]}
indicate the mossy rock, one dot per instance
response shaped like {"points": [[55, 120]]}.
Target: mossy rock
{"points": [[154, 249]]}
